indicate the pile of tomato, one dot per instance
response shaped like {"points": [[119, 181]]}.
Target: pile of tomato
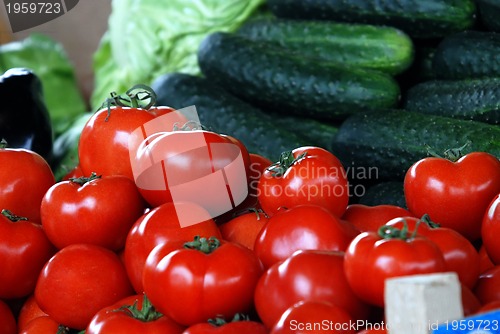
{"points": [[96, 253]]}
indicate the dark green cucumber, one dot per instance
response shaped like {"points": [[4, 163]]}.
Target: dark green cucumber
{"points": [[419, 18], [222, 112], [390, 141], [476, 99], [489, 12], [380, 48], [468, 54], [383, 193], [274, 79]]}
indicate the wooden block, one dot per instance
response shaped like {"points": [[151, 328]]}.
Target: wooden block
{"points": [[417, 304]]}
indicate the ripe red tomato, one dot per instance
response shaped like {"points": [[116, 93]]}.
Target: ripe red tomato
{"points": [[314, 317], [207, 279], [454, 194], [43, 325], [307, 175], [487, 288], [459, 254], [239, 324], [78, 281], [104, 142], [484, 260], [370, 218], [385, 255], [29, 311], [311, 275], [160, 226], [183, 157], [24, 251], [24, 179], [95, 210], [244, 228], [470, 303], [490, 229], [131, 315], [488, 307], [7, 321], [298, 228]]}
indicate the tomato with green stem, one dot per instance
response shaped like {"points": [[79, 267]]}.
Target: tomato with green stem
{"points": [[391, 252], [306, 175], [205, 279], [455, 190], [133, 314], [25, 250], [239, 324]]}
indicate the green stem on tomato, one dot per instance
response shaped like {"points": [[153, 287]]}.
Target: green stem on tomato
{"points": [[286, 160], [147, 313], [83, 179], [203, 245], [12, 217]]}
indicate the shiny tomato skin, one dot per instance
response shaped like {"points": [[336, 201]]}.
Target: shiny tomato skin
{"points": [[454, 194], [460, 255], [115, 319], [191, 287], [99, 212], [470, 303], [371, 218], [244, 228], [24, 179], [25, 250], [487, 288], [319, 178], [369, 255], [311, 275], [29, 311], [299, 228], [7, 321], [240, 327], [314, 317], [157, 226], [40, 325], [78, 281], [490, 229], [485, 262]]}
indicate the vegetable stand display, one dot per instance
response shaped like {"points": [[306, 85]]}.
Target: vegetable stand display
{"points": [[257, 166]]}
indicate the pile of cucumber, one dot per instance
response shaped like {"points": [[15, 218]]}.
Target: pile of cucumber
{"points": [[379, 83]]}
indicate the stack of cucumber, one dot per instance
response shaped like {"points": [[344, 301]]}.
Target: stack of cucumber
{"points": [[377, 82]]}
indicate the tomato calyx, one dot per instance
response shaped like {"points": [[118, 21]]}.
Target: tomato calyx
{"points": [[256, 211], [286, 160], [12, 217], [451, 154], [426, 219], [390, 232], [3, 143], [135, 97], [84, 179], [203, 245], [220, 321], [147, 313]]}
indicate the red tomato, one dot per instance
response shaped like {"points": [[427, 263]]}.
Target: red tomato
{"points": [[73, 173], [7, 321], [299, 228], [203, 281], [307, 317], [95, 210], [470, 303], [24, 251], [158, 226], [454, 194], [459, 254], [307, 175], [244, 228], [78, 281], [306, 275], [484, 260], [202, 154], [490, 229], [42, 325], [384, 255], [131, 315], [378, 329], [24, 179], [104, 142], [493, 305], [370, 218], [220, 326], [487, 288], [29, 311]]}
